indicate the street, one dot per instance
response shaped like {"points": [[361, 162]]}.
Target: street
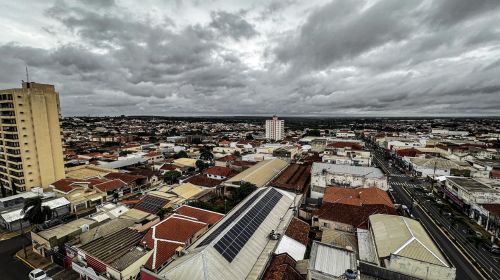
{"points": [[407, 191], [10, 267]]}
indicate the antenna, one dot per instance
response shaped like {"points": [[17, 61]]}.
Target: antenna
{"points": [[27, 75]]}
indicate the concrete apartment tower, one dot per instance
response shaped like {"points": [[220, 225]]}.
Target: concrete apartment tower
{"points": [[30, 142], [275, 129]]}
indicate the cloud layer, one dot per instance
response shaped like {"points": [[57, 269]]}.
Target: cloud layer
{"points": [[326, 58]]}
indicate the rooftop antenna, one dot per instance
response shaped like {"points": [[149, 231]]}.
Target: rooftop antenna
{"points": [[27, 75]]}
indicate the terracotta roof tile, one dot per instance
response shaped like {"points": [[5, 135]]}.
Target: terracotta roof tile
{"points": [[127, 178], [358, 196], [298, 230], [219, 171], [203, 181], [110, 185], [282, 267], [203, 215], [295, 177]]}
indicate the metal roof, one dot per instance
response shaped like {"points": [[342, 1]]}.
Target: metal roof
{"points": [[203, 261], [331, 260], [261, 173], [319, 168], [404, 237]]}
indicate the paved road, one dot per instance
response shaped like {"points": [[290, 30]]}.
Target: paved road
{"points": [[464, 268], [10, 267], [404, 191]]}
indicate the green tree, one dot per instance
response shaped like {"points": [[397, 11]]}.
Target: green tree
{"points": [[172, 176], [35, 212], [200, 164], [243, 191], [181, 154], [249, 136], [237, 153], [206, 154]]}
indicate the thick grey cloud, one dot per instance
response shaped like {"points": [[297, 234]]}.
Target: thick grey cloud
{"points": [[287, 57]]}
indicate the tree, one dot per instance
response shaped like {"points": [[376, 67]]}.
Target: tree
{"points": [[172, 176], [200, 164], [206, 154], [237, 153], [243, 191], [35, 212], [181, 154], [249, 136]]}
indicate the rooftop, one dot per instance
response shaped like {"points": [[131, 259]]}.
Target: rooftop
{"points": [[295, 177], [357, 197], [203, 215], [404, 237], [319, 168], [331, 260], [471, 185], [261, 173]]}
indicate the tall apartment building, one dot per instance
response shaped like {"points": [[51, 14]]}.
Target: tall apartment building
{"points": [[275, 129], [30, 137]]}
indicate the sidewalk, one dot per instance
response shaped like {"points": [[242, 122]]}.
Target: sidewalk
{"points": [[32, 259]]}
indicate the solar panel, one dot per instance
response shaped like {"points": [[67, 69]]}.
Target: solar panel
{"points": [[151, 204], [230, 219], [231, 243]]}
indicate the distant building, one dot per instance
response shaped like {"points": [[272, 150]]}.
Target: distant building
{"points": [[31, 153], [275, 129]]}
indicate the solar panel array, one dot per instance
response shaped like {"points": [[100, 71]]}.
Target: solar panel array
{"points": [[231, 243], [151, 204], [229, 220]]}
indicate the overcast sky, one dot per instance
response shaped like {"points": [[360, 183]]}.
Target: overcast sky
{"points": [[289, 57]]}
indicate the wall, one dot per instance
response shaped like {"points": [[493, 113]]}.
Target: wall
{"points": [[420, 269]]}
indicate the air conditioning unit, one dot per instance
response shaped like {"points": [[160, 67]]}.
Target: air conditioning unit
{"points": [[179, 251]]}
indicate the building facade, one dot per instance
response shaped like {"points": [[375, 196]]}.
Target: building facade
{"points": [[275, 129], [30, 142]]}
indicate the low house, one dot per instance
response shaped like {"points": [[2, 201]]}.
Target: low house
{"points": [[81, 193], [348, 209], [402, 245], [328, 262], [282, 267], [115, 256], [219, 172], [326, 174], [295, 178], [295, 240], [12, 220], [260, 174]]}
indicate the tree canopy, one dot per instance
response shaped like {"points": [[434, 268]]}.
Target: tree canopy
{"points": [[35, 212]]}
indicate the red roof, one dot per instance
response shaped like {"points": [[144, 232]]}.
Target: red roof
{"points": [[356, 216], [495, 173], [127, 178], [282, 267], [111, 185], [65, 185], [228, 158], [411, 152], [357, 197], [494, 209], [203, 181], [298, 230], [295, 177], [219, 171], [167, 166], [166, 236], [203, 215], [352, 145]]}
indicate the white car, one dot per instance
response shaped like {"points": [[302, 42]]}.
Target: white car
{"points": [[39, 274]]}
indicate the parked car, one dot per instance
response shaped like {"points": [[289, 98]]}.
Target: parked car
{"points": [[38, 274]]}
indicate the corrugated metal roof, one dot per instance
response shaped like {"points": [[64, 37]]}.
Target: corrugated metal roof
{"points": [[205, 262], [368, 172], [404, 237], [331, 260], [261, 173]]}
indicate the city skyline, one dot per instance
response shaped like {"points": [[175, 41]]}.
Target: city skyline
{"points": [[227, 58]]}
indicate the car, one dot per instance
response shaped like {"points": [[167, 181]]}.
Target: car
{"points": [[38, 274]]}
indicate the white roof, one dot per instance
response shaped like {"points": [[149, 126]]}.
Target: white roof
{"points": [[292, 247], [331, 260], [367, 172], [16, 215], [205, 262]]}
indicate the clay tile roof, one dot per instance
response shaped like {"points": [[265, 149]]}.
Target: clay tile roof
{"points": [[65, 185], [219, 171], [127, 178], [228, 158], [203, 181], [173, 232], [358, 196], [298, 230], [282, 267], [352, 145], [167, 166], [492, 208], [110, 185], [295, 177], [203, 215]]}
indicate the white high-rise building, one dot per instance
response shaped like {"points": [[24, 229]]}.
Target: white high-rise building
{"points": [[275, 129]]}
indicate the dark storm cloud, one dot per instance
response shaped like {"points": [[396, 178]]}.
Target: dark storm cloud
{"points": [[339, 58], [232, 25]]}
